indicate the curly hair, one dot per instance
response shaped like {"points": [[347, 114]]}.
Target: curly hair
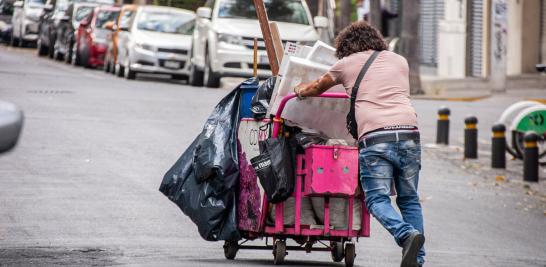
{"points": [[359, 37]]}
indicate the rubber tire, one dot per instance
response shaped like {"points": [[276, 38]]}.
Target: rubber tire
{"points": [[179, 77], [75, 60], [50, 51], [119, 70], [106, 67], [350, 254], [128, 73], [15, 42], [230, 249], [212, 80], [68, 56], [338, 254], [42, 50], [196, 76], [279, 252]]}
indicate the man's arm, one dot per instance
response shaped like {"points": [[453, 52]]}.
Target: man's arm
{"points": [[316, 87]]}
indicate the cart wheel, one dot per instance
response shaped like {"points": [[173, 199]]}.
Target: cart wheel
{"points": [[279, 252], [230, 249], [337, 251], [350, 254]]}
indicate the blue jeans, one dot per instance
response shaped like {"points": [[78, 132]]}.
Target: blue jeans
{"points": [[380, 166]]}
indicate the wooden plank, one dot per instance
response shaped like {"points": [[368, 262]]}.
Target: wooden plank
{"points": [[277, 41], [266, 32]]}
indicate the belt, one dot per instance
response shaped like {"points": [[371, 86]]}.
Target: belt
{"points": [[389, 138]]}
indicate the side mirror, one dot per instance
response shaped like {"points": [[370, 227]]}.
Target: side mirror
{"points": [[204, 12], [321, 22], [124, 28], [11, 122], [108, 25], [48, 7], [65, 18], [18, 4]]}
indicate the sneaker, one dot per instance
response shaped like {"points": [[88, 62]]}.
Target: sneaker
{"points": [[413, 243]]}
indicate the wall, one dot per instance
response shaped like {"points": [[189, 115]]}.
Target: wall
{"points": [[530, 53], [452, 40]]}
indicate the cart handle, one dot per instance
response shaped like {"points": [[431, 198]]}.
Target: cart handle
{"points": [[277, 121]]}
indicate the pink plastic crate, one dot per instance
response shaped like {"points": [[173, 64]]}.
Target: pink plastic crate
{"points": [[330, 170]]}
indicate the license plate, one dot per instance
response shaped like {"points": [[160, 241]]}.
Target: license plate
{"points": [[172, 64], [263, 59]]}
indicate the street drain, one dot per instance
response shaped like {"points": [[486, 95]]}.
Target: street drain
{"points": [[49, 92]]}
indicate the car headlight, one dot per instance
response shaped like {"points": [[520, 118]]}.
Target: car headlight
{"points": [[145, 46], [230, 39]]}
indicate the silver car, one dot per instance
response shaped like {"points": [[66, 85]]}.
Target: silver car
{"points": [[26, 16], [158, 40]]}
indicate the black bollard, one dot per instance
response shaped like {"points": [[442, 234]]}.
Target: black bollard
{"points": [[530, 157], [442, 130], [470, 137], [498, 149]]}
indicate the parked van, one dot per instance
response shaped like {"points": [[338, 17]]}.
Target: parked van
{"points": [[26, 16], [223, 39]]}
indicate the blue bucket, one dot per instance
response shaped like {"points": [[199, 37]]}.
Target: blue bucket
{"points": [[249, 88]]}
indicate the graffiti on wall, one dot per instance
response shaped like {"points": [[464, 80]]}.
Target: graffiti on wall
{"points": [[500, 31]]}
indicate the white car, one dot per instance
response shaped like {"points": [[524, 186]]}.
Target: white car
{"points": [[157, 40], [25, 20], [223, 40]]}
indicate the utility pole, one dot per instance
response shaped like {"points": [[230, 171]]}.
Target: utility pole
{"points": [[499, 28], [345, 16], [409, 42]]}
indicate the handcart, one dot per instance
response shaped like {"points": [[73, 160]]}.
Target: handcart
{"points": [[322, 171]]}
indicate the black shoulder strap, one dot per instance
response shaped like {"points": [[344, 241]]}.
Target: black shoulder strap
{"points": [[351, 120], [361, 76]]}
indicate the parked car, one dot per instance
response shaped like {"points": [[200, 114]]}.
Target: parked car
{"points": [[53, 13], [157, 41], [91, 45], [223, 40], [66, 31], [25, 19], [125, 18]]}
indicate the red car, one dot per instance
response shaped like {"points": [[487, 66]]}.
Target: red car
{"points": [[91, 36]]}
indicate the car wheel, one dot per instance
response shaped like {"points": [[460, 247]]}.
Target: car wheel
{"points": [[14, 41], [75, 58], [68, 56], [211, 78], [129, 74], [106, 66], [56, 54], [196, 76], [119, 70], [50, 49], [42, 50]]}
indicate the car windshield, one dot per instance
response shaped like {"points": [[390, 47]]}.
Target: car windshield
{"points": [[167, 22], [291, 11], [37, 3], [82, 12], [105, 16], [61, 6]]}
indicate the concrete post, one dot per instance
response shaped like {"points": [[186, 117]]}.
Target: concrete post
{"points": [[499, 37]]}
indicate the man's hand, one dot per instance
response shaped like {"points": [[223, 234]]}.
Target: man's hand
{"points": [[316, 87]]}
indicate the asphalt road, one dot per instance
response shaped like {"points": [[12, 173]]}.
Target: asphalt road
{"points": [[81, 188]]}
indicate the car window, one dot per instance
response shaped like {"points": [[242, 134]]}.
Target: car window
{"points": [[36, 2], [125, 19], [167, 22], [61, 6], [291, 11], [105, 16], [82, 12]]}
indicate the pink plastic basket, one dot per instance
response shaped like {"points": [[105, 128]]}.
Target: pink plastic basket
{"points": [[330, 170]]}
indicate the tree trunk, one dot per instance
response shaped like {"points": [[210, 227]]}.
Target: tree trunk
{"points": [[375, 14], [409, 42], [345, 16]]}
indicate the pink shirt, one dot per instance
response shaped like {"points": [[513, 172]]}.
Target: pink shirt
{"points": [[383, 98]]}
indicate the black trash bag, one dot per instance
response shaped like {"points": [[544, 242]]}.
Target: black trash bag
{"points": [[208, 196], [307, 139], [260, 101], [275, 168]]}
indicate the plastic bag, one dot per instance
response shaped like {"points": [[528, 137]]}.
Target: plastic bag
{"points": [[306, 139], [260, 101], [203, 182], [275, 168]]}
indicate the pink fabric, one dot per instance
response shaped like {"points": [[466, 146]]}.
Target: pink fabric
{"points": [[248, 203], [384, 95]]}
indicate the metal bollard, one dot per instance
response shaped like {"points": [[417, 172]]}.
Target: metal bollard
{"points": [[442, 130], [498, 148], [470, 138], [530, 157]]}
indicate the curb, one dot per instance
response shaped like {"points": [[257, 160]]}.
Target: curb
{"points": [[453, 99]]}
